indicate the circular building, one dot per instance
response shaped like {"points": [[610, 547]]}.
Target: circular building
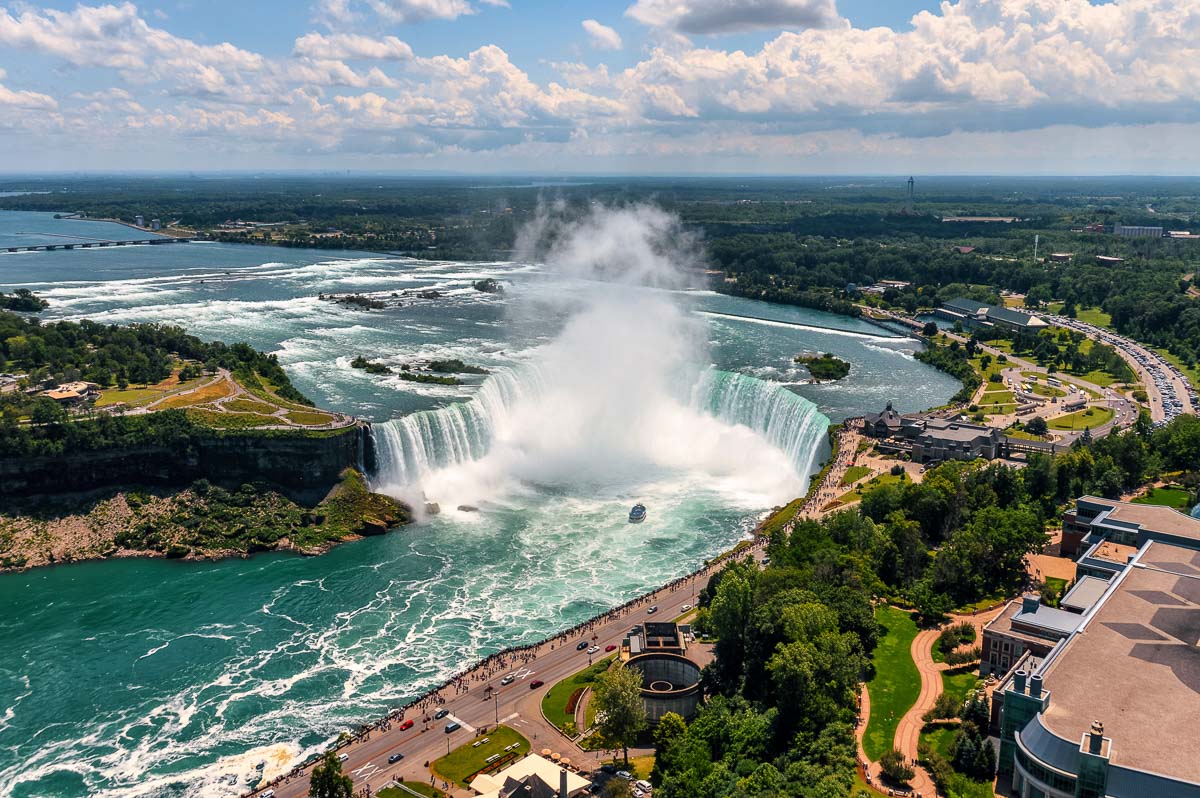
{"points": [[670, 683]]}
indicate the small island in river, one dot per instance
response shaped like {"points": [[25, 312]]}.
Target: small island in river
{"points": [[824, 368]]}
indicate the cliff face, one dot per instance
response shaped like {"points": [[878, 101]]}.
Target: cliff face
{"points": [[301, 461]]}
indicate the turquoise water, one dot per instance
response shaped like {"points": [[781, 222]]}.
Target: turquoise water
{"points": [[160, 678]]}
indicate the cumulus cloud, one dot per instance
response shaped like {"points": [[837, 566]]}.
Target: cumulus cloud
{"points": [[733, 16], [601, 36], [343, 46], [969, 66]]}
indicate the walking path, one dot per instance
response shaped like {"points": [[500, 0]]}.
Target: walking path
{"points": [[908, 731]]}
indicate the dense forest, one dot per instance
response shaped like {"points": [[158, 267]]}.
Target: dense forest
{"points": [[112, 355], [794, 639]]}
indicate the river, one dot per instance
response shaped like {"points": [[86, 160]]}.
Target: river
{"points": [[148, 677]]}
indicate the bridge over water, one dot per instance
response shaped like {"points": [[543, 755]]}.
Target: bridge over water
{"points": [[96, 244]]}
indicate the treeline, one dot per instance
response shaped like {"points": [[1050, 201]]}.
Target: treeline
{"points": [[793, 640], [55, 436], [122, 355]]}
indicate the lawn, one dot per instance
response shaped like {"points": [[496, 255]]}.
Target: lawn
{"points": [[554, 703], [1057, 585], [896, 683], [249, 406], [208, 393], [212, 418], [1101, 378], [1090, 418], [1021, 434], [1178, 498], [309, 418], [1094, 316], [145, 394], [854, 474], [467, 760], [415, 786]]}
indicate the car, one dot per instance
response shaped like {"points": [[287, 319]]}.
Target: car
{"points": [[652, 610], [535, 684], [643, 785], [267, 794], [441, 713], [509, 679], [343, 757], [593, 649], [582, 645], [625, 774], [638, 793], [408, 724], [686, 607], [394, 758], [453, 726], [609, 648]]}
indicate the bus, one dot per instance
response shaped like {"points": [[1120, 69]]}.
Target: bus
{"points": [[1054, 382]]}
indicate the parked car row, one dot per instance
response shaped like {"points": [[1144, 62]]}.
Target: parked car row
{"points": [[1157, 367]]}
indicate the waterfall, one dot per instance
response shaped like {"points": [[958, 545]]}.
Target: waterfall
{"points": [[788, 421], [409, 448]]}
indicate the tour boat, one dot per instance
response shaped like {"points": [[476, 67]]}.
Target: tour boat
{"points": [[637, 514]]}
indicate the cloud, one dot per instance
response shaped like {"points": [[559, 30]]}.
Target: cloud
{"points": [[27, 100], [341, 46], [733, 16], [602, 37]]}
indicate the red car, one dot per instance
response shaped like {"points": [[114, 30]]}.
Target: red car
{"points": [[535, 684], [408, 724], [609, 648]]}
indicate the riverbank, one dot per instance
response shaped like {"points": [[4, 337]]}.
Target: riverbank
{"points": [[200, 522]]}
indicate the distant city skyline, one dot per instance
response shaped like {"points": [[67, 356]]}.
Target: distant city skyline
{"points": [[739, 87]]}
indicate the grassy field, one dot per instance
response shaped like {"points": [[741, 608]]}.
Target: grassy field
{"points": [[1178, 498], [1021, 434], [218, 420], [465, 761], [138, 395], [554, 703], [415, 786], [309, 417], [1090, 418], [249, 406], [208, 393], [896, 683], [854, 474]]}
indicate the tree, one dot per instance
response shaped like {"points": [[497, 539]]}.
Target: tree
{"points": [[894, 768], [1036, 426], [929, 330], [671, 729], [618, 695], [328, 781]]}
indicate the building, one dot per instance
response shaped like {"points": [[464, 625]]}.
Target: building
{"points": [[1084, 594], [670, 683], [1108, 260], [1061, 257], [155, 224], [531, 777], [884, 424], [139, 221], [70, 393], [964, 250], [948, 439], [1111, 710], [979, 315], [657, 637], [1136, 231], [1095, 521], [1025, 626]]}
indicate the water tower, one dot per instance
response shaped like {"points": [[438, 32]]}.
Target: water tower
{"points": [[908, 198]]}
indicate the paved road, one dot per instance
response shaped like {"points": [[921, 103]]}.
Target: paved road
{"points": [[517, 705]]}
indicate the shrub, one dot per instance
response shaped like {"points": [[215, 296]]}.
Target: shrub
{"points": [[946, 706], [962, 657], [894, 768]]}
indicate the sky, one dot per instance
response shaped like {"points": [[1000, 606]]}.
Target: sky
{"points": [[603, 86]]}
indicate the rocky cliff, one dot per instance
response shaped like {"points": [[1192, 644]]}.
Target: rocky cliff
{"points": [[303, 461]]}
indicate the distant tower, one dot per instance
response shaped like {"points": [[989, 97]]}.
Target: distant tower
{"points": [[908, 201]]}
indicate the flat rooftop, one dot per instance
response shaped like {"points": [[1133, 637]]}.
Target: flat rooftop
{"points": [[1156, 518], [1015, 621], [1117, 553], [1135, 667]]}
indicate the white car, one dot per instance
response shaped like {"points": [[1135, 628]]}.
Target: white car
{"points": [[643, 785], [509, 679], [593, 649], [686, 607]]}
